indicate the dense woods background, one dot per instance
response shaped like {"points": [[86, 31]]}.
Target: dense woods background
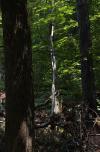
{"points": [[32, 34]]}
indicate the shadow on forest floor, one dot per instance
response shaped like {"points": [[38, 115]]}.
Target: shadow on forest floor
{"points": [[63, 138]]}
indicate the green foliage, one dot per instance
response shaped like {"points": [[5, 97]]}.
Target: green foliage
{"points": [[66, 44], [95, 32]]}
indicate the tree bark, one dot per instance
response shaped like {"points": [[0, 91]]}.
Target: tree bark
{"points": [[18, 76], [88, 84]]}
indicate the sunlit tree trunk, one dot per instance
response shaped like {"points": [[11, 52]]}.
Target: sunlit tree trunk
{"points": [[18, 72], [88, 84], [55, 102], [53, 61]]}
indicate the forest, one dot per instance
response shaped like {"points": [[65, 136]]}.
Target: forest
{"points": [[50, 76]]}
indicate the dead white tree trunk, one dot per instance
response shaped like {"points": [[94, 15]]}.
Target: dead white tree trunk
{"points": [[55, 101]]}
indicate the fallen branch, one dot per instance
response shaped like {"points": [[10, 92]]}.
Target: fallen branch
{"points": [[42, 125], [94, 135]]}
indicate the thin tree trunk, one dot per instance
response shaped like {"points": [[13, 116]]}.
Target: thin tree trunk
{"points": [[55, 102], [18, 72], [53, 61], [88, 84]]}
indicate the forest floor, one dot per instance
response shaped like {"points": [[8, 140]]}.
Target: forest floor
{"points": [[68, 134]]}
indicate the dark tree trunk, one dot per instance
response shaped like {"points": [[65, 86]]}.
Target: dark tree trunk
{"points": [[88, 84], [18, 72]]}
